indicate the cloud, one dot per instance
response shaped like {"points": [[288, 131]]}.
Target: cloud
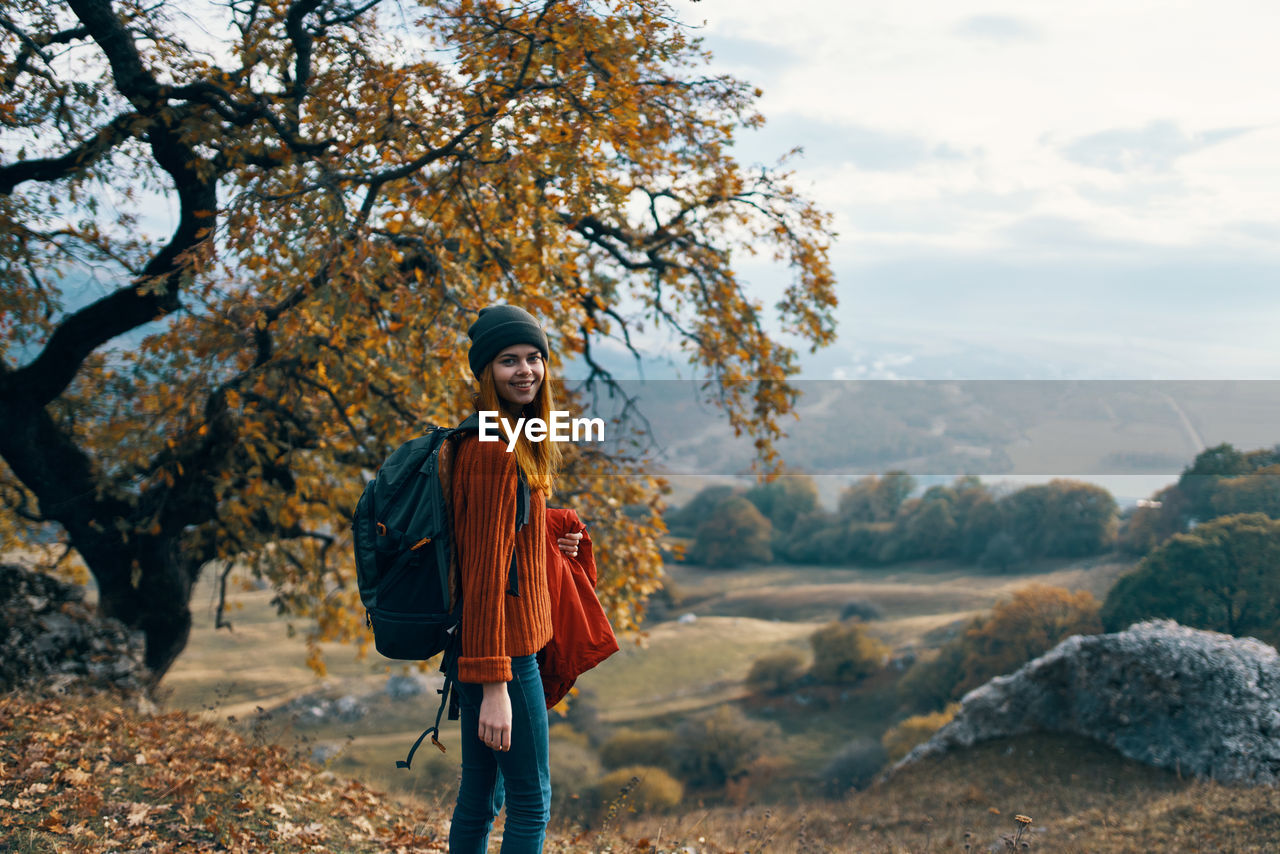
{"points": [[1153, 148], [996, 28], [827, 143]]}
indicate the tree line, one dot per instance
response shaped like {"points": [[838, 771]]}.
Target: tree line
{"points": [[878, 521]]}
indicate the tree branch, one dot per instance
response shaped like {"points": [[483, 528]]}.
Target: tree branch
{"points": [[56, 168]]}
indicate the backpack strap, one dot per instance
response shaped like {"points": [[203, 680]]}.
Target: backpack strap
{"points": [[448, 696]]}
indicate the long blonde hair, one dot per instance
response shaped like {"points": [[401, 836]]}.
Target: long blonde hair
{"points": [[539, 461]]}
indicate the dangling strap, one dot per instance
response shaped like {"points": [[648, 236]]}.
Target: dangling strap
{"points": [[448, 696]]}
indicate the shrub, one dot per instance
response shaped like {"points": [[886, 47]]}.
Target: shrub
{"points": [[635, 747], [918, 729], [860, 609], [853, 767], [844, 653], [775, 672], [711, 750], [636, 788], [734, 534], [1035, 620]]}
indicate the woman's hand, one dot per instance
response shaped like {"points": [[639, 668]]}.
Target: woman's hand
{"points": [[495, 716], [569, 543]]}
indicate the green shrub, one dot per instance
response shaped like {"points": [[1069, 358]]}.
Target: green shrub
{"points": [[712, 750], [843, 653], [918, 729], [636, 747], [853, 767], [776, 672]]}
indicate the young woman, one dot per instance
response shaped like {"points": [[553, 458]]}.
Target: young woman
{"points": [[499, 508]]}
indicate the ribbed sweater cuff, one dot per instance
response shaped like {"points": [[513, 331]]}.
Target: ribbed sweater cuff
{"points": [[479, 670]]}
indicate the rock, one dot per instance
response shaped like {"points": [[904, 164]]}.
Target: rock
{"points": [[1199, 702], [51, 640], [402, 687], [348, 708]]}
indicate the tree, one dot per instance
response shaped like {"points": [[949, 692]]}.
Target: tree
{"points": [[1154, 521], [1221, 575], [784, 499], [348, 185], [686, 519], [1257, 492], [1198, 481], [735, 533], [875, 499]]}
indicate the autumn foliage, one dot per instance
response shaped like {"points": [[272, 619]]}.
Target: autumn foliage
{"points": [[98, 777], [240, 244]]}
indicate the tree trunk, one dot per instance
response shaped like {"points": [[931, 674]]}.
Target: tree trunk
{"points": [[153, 597]]}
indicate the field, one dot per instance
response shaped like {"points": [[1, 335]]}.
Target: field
{"points": [[693, 660]]}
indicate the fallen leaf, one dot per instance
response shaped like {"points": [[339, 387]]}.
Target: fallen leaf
{"points": [[137, 814]]}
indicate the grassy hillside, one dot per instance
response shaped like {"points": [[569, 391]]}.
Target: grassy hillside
{"points": [[89, 774]]}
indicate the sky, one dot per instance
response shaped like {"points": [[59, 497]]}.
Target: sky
{"points": [[1049, 190]]}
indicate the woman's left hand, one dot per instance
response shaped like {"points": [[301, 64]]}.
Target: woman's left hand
{"points": [[569, 544]]}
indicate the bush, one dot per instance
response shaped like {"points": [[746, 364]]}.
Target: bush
{"points": [[860, 609], [918, 729], [636, 747], [711, 750], [776, 672], [853, 767], [636, 788], [1030, 623], [735, 533], [843, 653]]}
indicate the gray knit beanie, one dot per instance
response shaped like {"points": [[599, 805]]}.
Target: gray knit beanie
{"points": [[498, 327]]}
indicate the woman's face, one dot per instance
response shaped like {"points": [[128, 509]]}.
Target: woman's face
{"points": [[518, 372]]}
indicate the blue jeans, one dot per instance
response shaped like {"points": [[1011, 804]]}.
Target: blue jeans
{"points": [[521, 776]]}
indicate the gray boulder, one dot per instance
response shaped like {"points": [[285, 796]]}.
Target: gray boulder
{"points": [[1198, 702], [50, 639]]}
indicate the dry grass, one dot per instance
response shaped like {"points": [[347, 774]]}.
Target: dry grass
{"points": [[1081, 797]]}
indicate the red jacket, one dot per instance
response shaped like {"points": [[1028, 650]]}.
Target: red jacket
{"points": [[581, 634]]}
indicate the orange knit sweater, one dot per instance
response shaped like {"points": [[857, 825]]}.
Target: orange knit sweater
{"points": [[496, 625]]}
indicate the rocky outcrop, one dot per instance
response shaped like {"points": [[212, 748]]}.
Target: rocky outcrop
{"points": [[1198, 702], [51, 639]]}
